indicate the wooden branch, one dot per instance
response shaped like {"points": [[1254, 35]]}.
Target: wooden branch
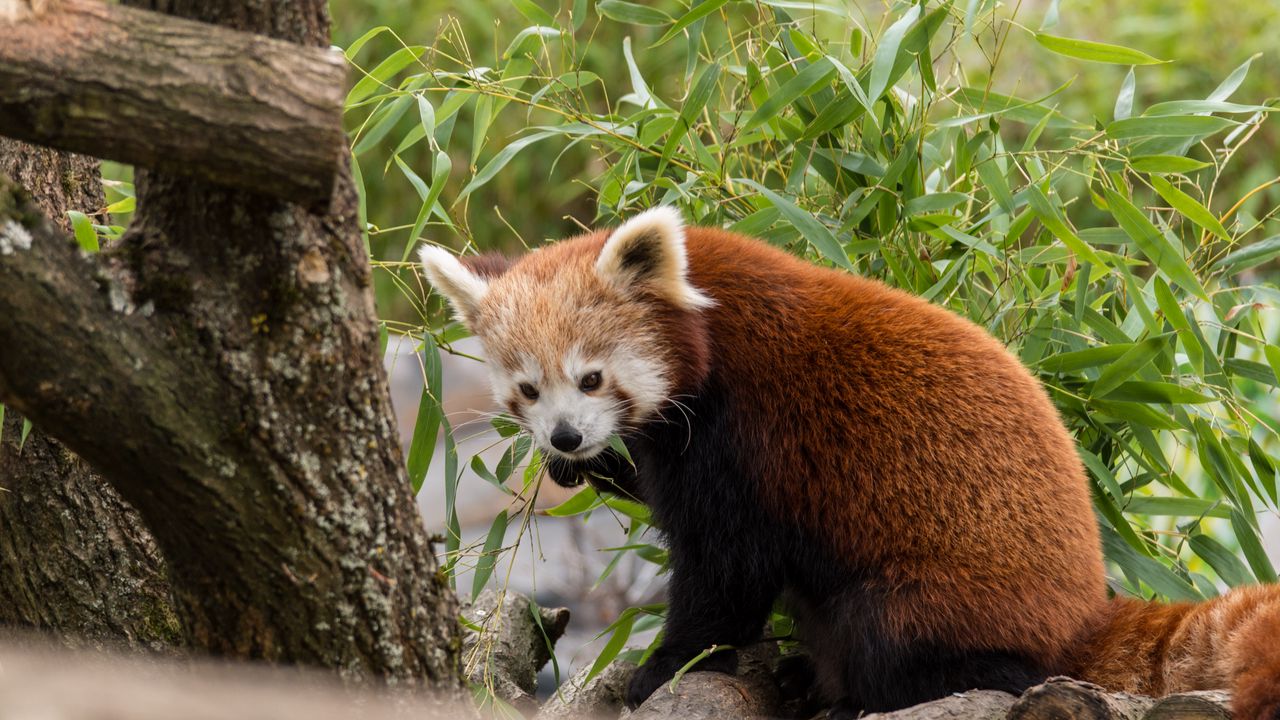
{"points": [[971, 705], [511, 648], [752, 693], [1062, 697], [1198, 705], [162, 92]]}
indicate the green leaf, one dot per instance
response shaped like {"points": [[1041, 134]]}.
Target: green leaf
{"points": [[489, 553], [1250, 256], [86, 236], [1126, 365], [693, 105], [621, 632], [439, 177], [528, 38], [1177, 506], [1157, 392], [1233, 81], [1124, 101], [804, 82], [1173, 126], [1152, 243], [500, 160], [355, 47], [689, 18], [378, 77], [1052, 220], [639, 87], [534, 12], [810, 227], [26, 432], [1095, 51], [631, 13], [1150, 571], [430, 414], [582, 501], [618, 446], [1166, 164], [1223, 561], [1196, 107], [1189, 207], [887, 53], [1027, 112], [1080, 359], [1273, 359], [1252, 548]]}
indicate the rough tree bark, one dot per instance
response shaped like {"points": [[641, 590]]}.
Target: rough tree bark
{"points": [[223, 106], [220, 366], [74, 557]]}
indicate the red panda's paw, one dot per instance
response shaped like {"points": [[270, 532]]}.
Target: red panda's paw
{"points": [[795, 676]]}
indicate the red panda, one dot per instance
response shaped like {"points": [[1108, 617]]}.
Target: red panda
{"points": [[886, 467]]}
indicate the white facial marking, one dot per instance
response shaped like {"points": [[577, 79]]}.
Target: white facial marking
{"points": [[596, 415]]}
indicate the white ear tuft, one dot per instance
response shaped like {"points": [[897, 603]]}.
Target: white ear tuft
{"points": [[648, 252], [451, 278]]}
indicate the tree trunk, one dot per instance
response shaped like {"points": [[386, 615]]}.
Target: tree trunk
{"points": [[221, 367], [74, 557]]}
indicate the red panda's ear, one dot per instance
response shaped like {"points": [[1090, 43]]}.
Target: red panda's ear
{"points": [[451, 278], [648, 253]]}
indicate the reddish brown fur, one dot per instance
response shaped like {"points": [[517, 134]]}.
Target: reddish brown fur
{"points": [[922, 497], [1231, 641]]}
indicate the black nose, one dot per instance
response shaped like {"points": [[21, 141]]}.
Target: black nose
{"points": [[564, 438]]}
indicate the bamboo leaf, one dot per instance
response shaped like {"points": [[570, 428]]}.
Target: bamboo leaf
{"points": [[810, 227], [1095, 51], [689, 18], [1189, 207], [1127, 365], [489, 553], [1153, 244]]}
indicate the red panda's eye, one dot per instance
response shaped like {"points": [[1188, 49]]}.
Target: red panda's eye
{"points": [[589, 382], [529, 391]]}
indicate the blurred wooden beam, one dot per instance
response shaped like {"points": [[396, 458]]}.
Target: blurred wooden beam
{"points": [[157, 91]]}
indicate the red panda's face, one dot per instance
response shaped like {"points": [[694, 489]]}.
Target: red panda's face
{"points": [[573, 333]]}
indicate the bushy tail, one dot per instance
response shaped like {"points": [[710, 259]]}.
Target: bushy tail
{"points": [[1229, 642]]}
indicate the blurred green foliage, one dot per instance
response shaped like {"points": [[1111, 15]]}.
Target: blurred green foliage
{"points": [[1095, 184], [1204, 39]]}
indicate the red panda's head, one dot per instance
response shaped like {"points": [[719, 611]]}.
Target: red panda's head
{"points": [[586, 337]]}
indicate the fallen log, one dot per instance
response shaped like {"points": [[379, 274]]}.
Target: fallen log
{"points": [[158, 91]]}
